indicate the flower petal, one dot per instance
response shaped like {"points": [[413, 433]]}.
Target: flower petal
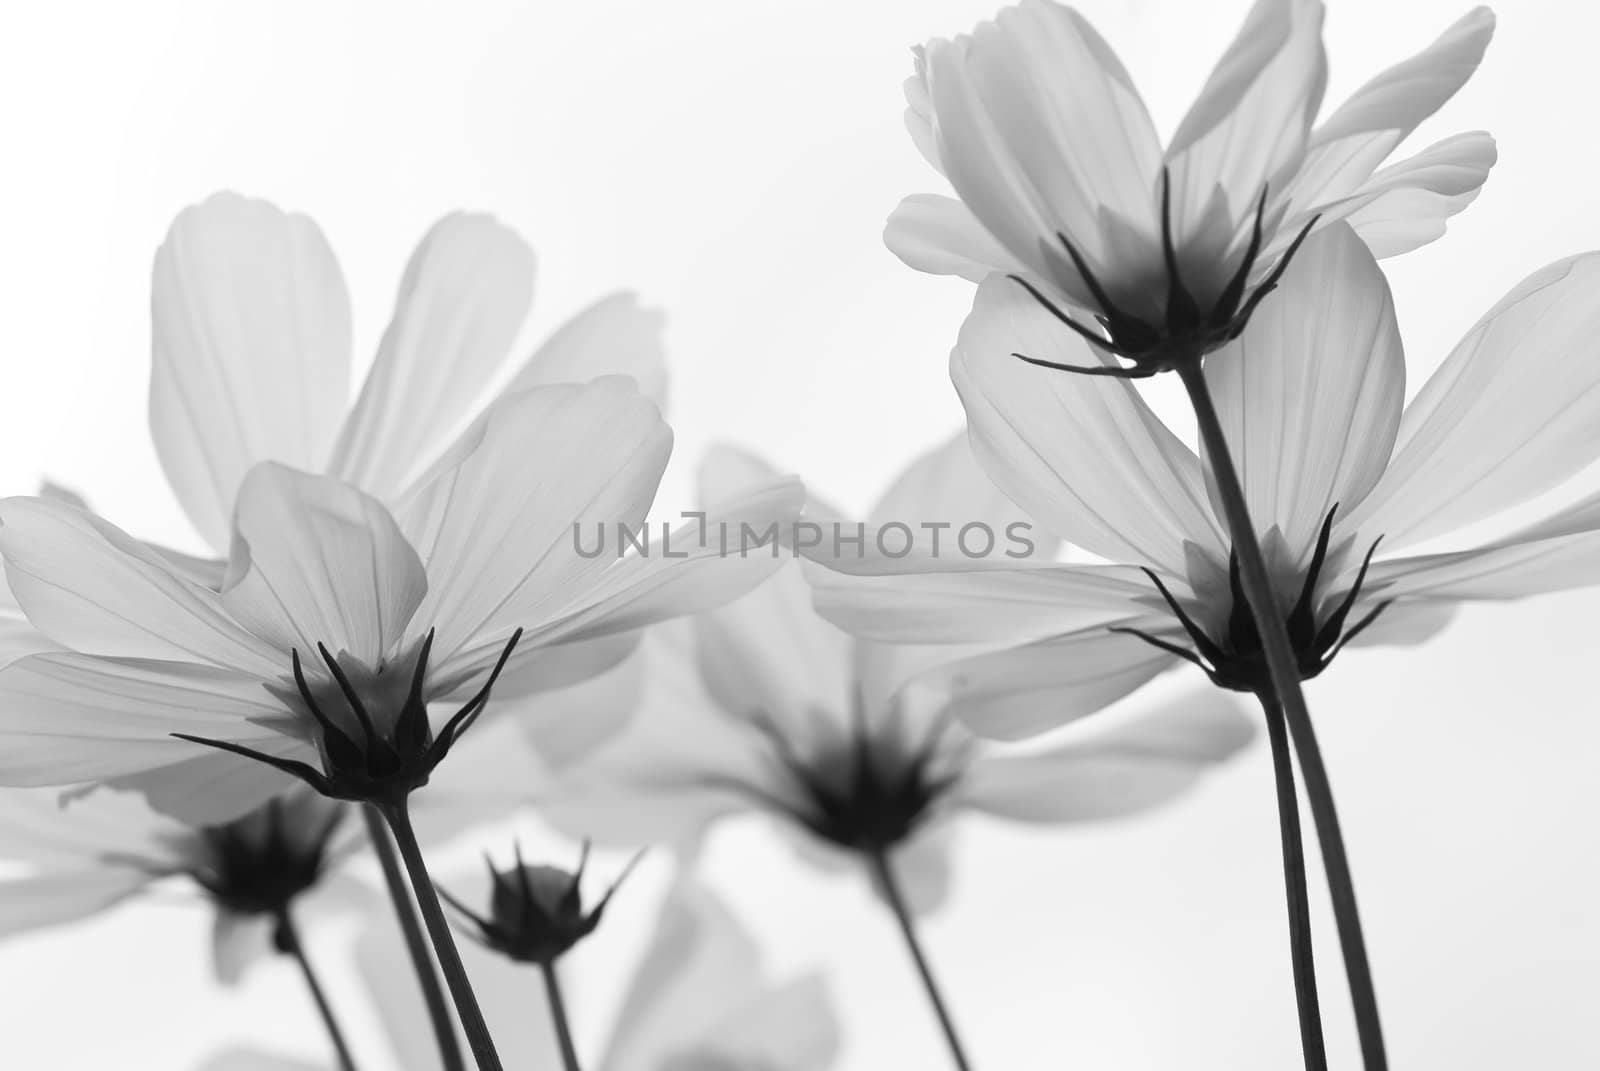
{"points": [[462, 300], [1082, 454], [69, 718], [90, 586], [1513, 411], [1040, 129], [788, 1027], [614, 336], [496, 521], [1023, 691], [1124, 771], [35, 903], [238, 942], [940, 235], [317, 561], [255, 1060], [1405, 205], [1310, 395], [1347, 147], [1252, 117], [45, 828], [215, 787], [251, 354], [1407, 623]]}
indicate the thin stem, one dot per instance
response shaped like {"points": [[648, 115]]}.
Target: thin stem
{"points": [[1294, 887], [288, 942], [890, 885], [398, 816], [558, 1016], [1286, 683], [405, 908]]}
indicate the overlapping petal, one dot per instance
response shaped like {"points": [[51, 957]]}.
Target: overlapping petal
{"points": [[251, 351]]}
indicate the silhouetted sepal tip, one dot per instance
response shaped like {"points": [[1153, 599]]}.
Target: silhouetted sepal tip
{"points": [[366, 758], [536, 912]]}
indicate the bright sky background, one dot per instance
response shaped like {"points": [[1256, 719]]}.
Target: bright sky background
{"points": [[734, 162]]}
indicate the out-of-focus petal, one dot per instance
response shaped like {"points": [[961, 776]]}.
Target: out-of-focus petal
{"points": [[790, 1027], [1023, 691], [215, 787], [1124, 771], [1310, 396], [69, 718], [251, 351], [238, 942], [256, 1060], [90, 586], [316, 561], [613, 336], [1513, 411], [1082, 454], [941, 236], [462, 300], [59, 897]]}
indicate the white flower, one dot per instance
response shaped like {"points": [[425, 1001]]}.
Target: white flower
{"points": [[339, 620], [762, 706], [89, 855], [700, 1000], [1062, 177], [1311, 401]]}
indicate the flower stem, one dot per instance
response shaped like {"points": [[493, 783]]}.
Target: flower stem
{"points": [[287, 939], [1286, 684], [1294, 886], [398, 815], [897, 902], [444, 1029], [558, 1016]]}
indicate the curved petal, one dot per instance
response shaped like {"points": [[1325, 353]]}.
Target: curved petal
{"points": [[69, 718], [1508, 569], [35, 903], [497, 522], [613, 336], [1513, 411], [1252, 118], [976, 604], [90, 586], [1026, 690], [238, 942], [1124, 771], [215, 787], [251, 356], [54, 829], [1040, 129], [462, 300], [940, 235], [1310, 395], [1407, 623], [1348, 146], [1083, 454], [1406, 205], [317, 561]]}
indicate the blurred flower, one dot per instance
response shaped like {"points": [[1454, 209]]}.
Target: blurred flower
{"points": [[340, 620], [700, 1000], [763, 706], [1311, 401], [1064, 183], [536, 911], [89, 855]]}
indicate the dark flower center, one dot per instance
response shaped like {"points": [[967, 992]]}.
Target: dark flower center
{"points": [[258, 864]]}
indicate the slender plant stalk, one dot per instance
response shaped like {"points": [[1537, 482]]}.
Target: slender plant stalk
{"points": [[558, 1016], [1286, 683], [288, 942], [891, 889], [398, 815], [1294, 887], [444, 1028]]}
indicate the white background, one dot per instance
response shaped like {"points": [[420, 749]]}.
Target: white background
{"points": [[734, 162]]}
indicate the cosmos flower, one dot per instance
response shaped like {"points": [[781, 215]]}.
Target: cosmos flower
{"points": [[1342, 482], [339, 621], [700, 1000], [1063, 182], [762, 706], [88, 856]]}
